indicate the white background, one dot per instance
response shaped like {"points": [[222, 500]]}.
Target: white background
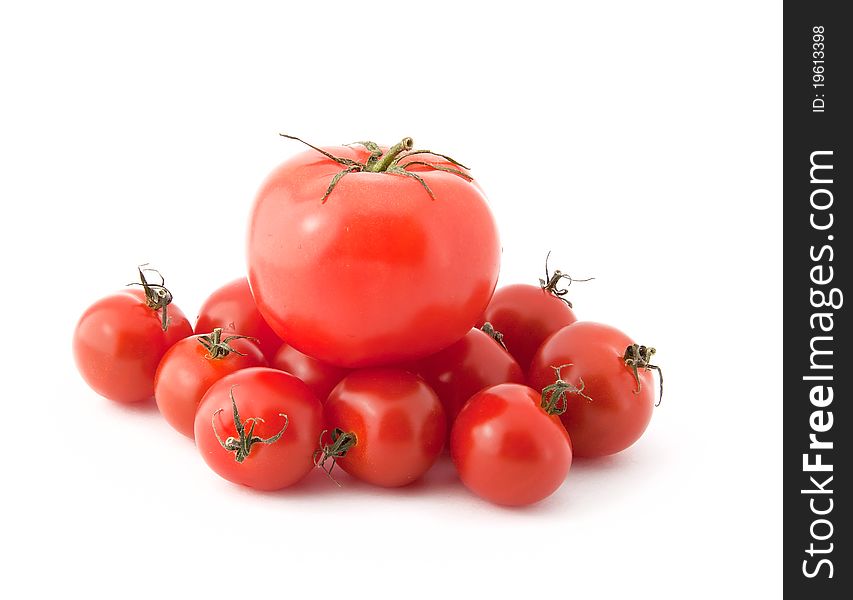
{"points": [[640, 141]]}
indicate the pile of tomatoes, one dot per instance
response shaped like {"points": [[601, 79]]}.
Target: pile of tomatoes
{"points": [[369, 336]]}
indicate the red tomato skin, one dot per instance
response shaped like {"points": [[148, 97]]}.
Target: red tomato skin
{"points": [[119, 341], [377, 274], [616, 416], [265, 393], [507, 449], [398, 422], [232, 308], [526, 315], [319, 376], [186, 372], [461, 370]]}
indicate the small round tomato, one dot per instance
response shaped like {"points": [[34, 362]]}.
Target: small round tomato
{"points": [[259, 427], [527, 314], [121, 338], [193, 365], [319, 376], [612, 375], [364, 256], [232, 308], [461, 370], [386, 426], [507, 449]]}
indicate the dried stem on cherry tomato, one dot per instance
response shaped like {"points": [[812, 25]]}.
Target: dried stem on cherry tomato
{"points": [[217, 347], [554, 396], [157, 297], [493, 333], [550, 283], [341, 442], [638, 357], [241, 446], [386, 162]]}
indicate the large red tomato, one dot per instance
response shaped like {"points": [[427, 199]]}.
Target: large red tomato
{"points": [[612, 380], [396, 262]]}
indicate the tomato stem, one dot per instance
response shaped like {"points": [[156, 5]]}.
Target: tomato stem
{"points": [[157, 297], [638, 357], [554, 396], [386, 162], [217, 347], [493, 333], [550, 283], [341, 442], [241, 446]]}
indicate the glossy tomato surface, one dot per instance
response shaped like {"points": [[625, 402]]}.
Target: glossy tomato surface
{"points": [[526, 315], [232, 308], [461, 370], [187, 370], [507, 449], [119, 342], [319, 376], [616, 413], [379, 273], [397, 420], [265, 395]]}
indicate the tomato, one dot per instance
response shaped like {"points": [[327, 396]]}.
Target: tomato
{"points": [[526, 315], [618, 398], [387, 267], [121, 338], [386, 426], [317, 375], [259, 427], [193, 365], [233, 309], [507, 449], [461, 370]]}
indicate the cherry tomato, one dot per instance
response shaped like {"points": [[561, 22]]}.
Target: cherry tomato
{"points": [[526, 315], [193, 365], [617, 389], [385, 426], [461, 370], [121, 338], [507, 449], [259, 427], [388, 266], [317, 375], [232, 308]]}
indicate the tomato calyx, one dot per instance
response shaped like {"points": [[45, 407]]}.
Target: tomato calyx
{"points": [[241, 446], [387, 162], [217, 347], [638, 357], [555, 396], [341, 442], [157, 296], [493, 333], [551, 282]]}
